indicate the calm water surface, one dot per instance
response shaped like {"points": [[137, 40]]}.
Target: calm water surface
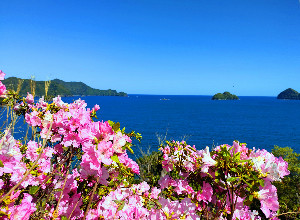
{"points": [[261, 122]]}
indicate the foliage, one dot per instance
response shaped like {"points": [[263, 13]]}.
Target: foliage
{"points": [[224, 182], [150, 167], [225, 96], [58, 87], [289, 189]]}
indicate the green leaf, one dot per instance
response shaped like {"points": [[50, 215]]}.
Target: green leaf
{"points": [[173, 198], [130, 150], [115, 158], [247, 183], [231, 179], [234, 170], [262, 183], [118, 201], [64, 218], [216, 173], [1, 163], [44, 202], [151, 204], [238, 155], [58, 190], [244, 161], [3, 213], [33, 190], [116, 126], [111, 123], [121, 206], [251, 198]]}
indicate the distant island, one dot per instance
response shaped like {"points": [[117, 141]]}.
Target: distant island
{"points": [[58, 87], [225, 96], [289, 94]]}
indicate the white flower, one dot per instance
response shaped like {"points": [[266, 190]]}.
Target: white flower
{"points": [[207, 160], [258, 162], [7, 144]]}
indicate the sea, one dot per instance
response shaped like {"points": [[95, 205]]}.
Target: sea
{"points": [[260, 122]]}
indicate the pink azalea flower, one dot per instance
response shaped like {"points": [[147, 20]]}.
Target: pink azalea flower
{"points": [[15, 195], [245, 214], [96, 108], [58, 102], [154, 193], [2, 86], [1, 183], [143, 187], [183, 187], [2, 75], [24, 210], [167, 165], [31, 152], [119, 140], [33, 119], [166, 181], [29, 98], [206, 194], [124, 159], [2, 90], [268, 199]]}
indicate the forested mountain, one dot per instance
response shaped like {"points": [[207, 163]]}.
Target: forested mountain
{"points": [[58, 87], [289, 94]]}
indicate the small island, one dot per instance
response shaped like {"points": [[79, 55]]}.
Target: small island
{"points": [[225, 96], [58, 87], [289, 94]]}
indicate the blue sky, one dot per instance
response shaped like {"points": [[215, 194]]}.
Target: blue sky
{"points": [[188, 47]]}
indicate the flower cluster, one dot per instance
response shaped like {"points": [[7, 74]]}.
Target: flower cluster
{"points": [[224, 182], [76, 168], [2, 86], [52, 174]]}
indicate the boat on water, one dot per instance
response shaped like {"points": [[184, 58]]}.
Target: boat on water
{"points": [[164, 99]]}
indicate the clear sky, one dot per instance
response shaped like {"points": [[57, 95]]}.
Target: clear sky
{"points": [[188, 47]]}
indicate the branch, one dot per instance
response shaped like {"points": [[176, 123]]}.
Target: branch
{"points": [[91, 198], [28, 172], [285, 214]]}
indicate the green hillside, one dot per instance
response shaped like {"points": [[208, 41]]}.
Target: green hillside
{"points": [[225, 96], [289, 94], [59, 87]]}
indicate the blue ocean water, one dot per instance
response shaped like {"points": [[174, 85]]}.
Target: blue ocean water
{"points": [[261, 122]]}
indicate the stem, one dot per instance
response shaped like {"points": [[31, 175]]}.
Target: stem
{"points": [[91, 198], [73, 209], [285, 214], [222, 207], [66, 177], [49, 177], [28, 172]]}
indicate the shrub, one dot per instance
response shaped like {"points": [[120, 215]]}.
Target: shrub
{"points": [[78, 168]]}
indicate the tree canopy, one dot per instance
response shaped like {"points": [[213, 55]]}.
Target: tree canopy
{"points": [[289, 94], [225, 96]]}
